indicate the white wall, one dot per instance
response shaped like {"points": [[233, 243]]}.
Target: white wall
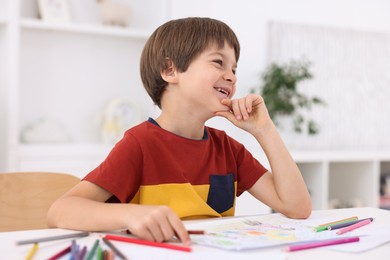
{"points": [[249, 20], [3, 100]]}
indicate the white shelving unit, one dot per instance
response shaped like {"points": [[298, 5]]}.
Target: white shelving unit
{"points": [[66, 74], [3, 93], [351, 177], [103, 30]]}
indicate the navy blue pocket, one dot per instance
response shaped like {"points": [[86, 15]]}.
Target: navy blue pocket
{"points": [[221, 193]]}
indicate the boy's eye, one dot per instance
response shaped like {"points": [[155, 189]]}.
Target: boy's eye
{"points": [[219, 62]]}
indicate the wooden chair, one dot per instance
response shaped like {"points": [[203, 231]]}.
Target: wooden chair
{"points": [[25, 198]]}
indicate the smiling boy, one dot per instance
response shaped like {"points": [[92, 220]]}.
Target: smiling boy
{"points": [[174, 167]]}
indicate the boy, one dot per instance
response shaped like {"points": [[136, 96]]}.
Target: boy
{"points": [[174, 167]]}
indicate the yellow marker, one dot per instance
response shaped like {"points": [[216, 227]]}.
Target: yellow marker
{"points": [[32, 251]]}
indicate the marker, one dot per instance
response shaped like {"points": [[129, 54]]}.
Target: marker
{"points": [[322, 243], [354, 226], [148, 243]]}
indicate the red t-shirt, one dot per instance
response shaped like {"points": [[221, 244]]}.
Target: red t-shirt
{"points": [[196, 178]]}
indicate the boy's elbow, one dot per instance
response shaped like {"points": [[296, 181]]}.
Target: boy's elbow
{"points": [[52, 221], [301, 211]]}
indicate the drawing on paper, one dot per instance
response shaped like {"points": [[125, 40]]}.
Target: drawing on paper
{"points": [[256, 232]]}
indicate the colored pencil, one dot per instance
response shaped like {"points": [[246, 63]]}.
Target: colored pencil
{"points": [[325, 226], [322, 243], [108, 254], [354, 226], [61, 253], [190, 232], [45, 239], [338, 226], [92, 252], [99, 253], [32, 252], [148, 243], [114, 249], [74, 250], [196, 232], [82, 253]]}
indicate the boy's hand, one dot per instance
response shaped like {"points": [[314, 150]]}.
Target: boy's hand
{"points": [[157, 223], [248, 113]]}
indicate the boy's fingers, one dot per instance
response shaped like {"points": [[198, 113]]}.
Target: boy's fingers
{"points": [[227, 102], [154, 230], [180, 230], [167, 230], [236, 109], [243, 108], [240, 107], [184, 237], [249, 104]]}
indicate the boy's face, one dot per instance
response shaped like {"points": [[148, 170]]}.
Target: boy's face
{"points": [[209, 79]]}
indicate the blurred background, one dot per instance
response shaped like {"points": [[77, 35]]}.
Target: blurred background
{"points": [[70, 84]]}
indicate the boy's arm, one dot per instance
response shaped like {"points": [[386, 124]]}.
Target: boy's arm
{"points": [[284, 189], [83, 208]]}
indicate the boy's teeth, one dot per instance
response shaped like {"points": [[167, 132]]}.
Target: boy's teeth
{"points": [[222, 91]]}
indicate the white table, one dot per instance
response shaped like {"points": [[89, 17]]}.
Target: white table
{"points": [[382, 252], [9, 249]]}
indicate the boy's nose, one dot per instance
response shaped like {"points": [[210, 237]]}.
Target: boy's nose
{"points": [[229, 76]]}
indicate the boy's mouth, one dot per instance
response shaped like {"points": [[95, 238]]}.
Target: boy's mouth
{"points": [[225, 91]]}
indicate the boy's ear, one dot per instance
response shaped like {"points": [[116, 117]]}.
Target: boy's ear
{"points": [[170, 73]]}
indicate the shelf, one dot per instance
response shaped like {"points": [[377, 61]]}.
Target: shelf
{"points": [[77, 159], [348, 180], [86, 29], [64, 149], [80, 62], [341, 156]]}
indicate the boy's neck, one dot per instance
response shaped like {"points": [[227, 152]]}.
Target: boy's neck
{"points": [[183, 126]]}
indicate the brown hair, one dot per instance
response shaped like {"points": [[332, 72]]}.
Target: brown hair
{"points": [[180, 41]]}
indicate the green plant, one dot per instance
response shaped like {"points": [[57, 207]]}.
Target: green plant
{"points": [[280, 93]]}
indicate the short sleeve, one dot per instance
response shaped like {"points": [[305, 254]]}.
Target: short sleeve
{"points": [[249, 170], [120, 172]]}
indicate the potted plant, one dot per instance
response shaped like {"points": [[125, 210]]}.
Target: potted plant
{"points": [[282, 97]]}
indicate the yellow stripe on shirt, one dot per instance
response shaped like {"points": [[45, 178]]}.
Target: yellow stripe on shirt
{"points": [[186, 200]]}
